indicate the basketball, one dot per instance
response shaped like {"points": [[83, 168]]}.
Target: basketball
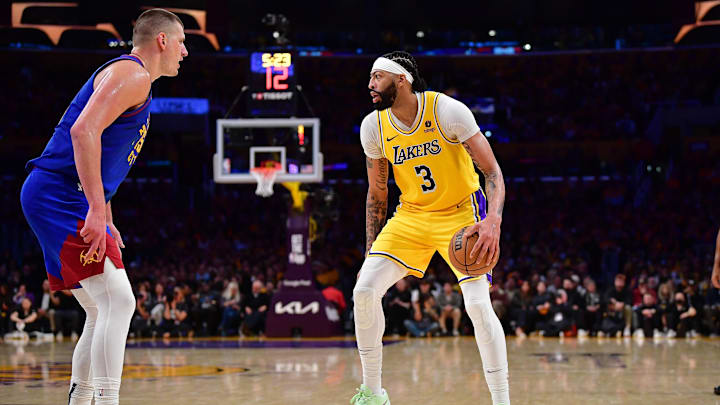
{"points": [[459, 253]]}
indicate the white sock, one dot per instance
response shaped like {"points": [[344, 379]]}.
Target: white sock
{"points": [[490, 339], [81, 392], [376, 276], [107, 391]]}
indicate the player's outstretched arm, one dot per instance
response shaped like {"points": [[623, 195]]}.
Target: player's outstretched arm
{"points": [[121, 86], [489, 229], [376, 205], [716, 265]]}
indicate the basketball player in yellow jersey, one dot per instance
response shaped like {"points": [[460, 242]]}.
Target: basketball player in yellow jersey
{"points": [[431, 140]]}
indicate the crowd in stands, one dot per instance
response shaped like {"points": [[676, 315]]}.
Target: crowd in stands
{"points": [[577, 258]]}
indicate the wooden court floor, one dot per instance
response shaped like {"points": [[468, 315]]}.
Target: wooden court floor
{"points": [[419, 371]]}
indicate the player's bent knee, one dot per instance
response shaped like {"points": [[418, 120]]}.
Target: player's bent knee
{"points": [[127, 303], [123, 301], [481, 313], [91, 314], [364, 298]]}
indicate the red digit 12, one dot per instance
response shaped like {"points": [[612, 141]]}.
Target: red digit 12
{"points": [[274, 83]]}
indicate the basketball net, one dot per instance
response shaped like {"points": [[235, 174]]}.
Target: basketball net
{"points": [[265, 176]]}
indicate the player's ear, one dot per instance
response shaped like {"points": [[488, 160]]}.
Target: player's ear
{"points": [[162, 40]]}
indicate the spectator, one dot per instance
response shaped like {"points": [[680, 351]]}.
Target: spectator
{"points": [[175, 319], [640, 291], [232, 314], [500, 300], [256, 306], [46, 312], [449, 302], [418, 296], [399, 307], [336, 297], [575, 301], [618, 312], [559, 316], [521, 309], [66, 315], [21, 293], [696, 301], [712, 311], [425, 321], [592, 311], [24, 317], [141, 324], [664, 302], [649, 317], [6, 306], [207, 313], [680, 317], [541, 308], [157, 305]]}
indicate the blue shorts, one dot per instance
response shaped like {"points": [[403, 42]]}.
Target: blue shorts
{"points": [[55, 207]]}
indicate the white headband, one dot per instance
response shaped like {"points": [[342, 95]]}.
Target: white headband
{"points": [[388, 65]]}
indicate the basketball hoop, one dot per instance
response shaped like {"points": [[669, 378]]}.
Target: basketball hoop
{"points": [[265, 177]]}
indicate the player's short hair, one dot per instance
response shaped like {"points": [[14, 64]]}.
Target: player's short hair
{"points": [[408, 62], [152, 22]]}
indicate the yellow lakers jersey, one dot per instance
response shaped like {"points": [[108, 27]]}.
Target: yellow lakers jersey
{"points": [[432, 171]]}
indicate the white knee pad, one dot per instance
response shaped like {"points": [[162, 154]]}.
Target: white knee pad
{"points": [[365, 302], [480, 312]]}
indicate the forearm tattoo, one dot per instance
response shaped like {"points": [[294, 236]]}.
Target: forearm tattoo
{"points": [[376, 206], [375, 212], [493, 181], [381, 182]]}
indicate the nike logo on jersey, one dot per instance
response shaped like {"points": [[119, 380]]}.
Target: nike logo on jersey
{"points": [[390, 139], [400, 155]]}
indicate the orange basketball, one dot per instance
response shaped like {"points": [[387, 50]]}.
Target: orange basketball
{"points": [[459, 253]]}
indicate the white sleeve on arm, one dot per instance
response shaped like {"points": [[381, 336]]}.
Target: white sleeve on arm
{"points": [[369, 136], [456, 120]]}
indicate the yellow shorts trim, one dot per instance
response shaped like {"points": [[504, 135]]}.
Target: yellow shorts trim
{"points": [[411, 270]]}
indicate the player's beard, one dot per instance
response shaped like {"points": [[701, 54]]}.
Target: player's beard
{"points": [[387, 97]]}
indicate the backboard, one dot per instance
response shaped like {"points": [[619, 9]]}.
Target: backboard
{"points": [[243, 144]]}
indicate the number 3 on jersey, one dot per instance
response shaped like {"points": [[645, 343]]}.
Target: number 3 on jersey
{"points": [[428, 185]]}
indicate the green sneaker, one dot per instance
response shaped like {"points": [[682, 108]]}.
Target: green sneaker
{"points": [[365, 396]]}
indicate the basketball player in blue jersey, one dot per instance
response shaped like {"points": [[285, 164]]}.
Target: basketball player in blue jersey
{"points": [[432, 142], [66, 197]]}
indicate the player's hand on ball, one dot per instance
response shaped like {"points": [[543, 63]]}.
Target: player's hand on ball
{"points": [[116, 235], [488, 241], [93, 233]]}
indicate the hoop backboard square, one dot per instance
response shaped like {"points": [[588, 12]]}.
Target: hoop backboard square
{"points": [[241, 144]]}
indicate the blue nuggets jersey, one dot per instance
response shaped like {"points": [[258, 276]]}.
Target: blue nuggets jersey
{"points": [[121, 141], [53, 201]]}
